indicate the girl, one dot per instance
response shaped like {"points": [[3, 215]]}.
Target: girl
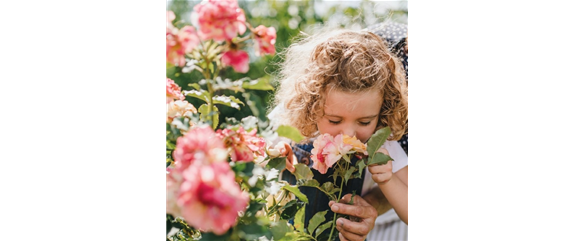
{"points": [[347, 82]]}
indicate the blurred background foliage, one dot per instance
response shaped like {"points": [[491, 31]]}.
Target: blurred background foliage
{"points": [[289, 18]]}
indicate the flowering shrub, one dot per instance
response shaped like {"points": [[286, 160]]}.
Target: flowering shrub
{"points": [[220, 183], [337, 153]]}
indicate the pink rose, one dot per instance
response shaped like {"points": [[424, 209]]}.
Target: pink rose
{"points": [[219, 19], [265, 40], [238, 59], [173, 182], [188, 38], [244, 146], [173, 91], [199, 144], [325, 153], [209, 197]]}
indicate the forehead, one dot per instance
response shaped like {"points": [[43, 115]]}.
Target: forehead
{"points": [[357, 104]]}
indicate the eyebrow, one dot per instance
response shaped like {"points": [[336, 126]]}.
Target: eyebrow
{"points": [[371, 116]]}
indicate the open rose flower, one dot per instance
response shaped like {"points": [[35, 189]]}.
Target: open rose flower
{"points": [[188, 38], [200, 144], [244, 145], [325, 153], [209, 197], [238, 59], [265, 40], [179, 108], [219, 19], [173, 91], [356, 144]]}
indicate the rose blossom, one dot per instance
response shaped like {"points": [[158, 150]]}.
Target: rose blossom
{"points": [[356, 144], [173, 182], [238, 59], [188, 38], [199, 144], [179, 108], [173, 91], [325, 153], [265, 40], [209, 197], [219, 19], [244, 145]]}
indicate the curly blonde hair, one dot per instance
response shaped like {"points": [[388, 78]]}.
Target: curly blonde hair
{"points": [[345, 60]]}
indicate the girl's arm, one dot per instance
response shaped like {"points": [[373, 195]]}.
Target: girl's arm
{"points": [[397, 194]]}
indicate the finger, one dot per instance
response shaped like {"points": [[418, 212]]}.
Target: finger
{"points": [[345, 235], [357, 228], [360, 208]]}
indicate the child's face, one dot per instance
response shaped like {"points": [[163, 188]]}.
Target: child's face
{"points": [[352, 114]]}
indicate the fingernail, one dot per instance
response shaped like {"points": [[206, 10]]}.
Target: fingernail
{"points": [[340, 221], [335, 208]]}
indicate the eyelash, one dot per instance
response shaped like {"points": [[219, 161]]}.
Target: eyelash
{"points": [[360, 123]]}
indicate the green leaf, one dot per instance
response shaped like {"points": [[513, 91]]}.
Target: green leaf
{"points": [[310, 183], [195, 86], [199, 94], [317, 219], [279, 229], [168, 226], [299, 221], [277, 163], [303, 172], [295, 190], [346, 157], [377, 140], [259, 84], [204, 115], [328, 187], [348, 174], [361, 165], [379, 158], [290, 132], [230, 101], [323, 227]]}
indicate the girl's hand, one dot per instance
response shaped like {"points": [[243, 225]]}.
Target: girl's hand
{"points": [[361, 221], [382, 173]]}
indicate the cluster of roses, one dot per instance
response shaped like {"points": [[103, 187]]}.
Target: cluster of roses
{"points": [[218, 20], [327, 150]]}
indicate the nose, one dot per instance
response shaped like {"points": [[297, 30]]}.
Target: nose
{"points": [[348, 130]]}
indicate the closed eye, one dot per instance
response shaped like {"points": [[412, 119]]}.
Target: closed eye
{"points": [[364, 123], [334, 122]]}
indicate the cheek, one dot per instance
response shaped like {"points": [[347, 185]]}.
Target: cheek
{"points": [[324, 126], [365, 133]]}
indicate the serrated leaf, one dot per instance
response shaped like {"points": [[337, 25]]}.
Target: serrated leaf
{"points": [[295, 190], [328, 187], [317, 219], [290, 132], [195, 86], [259, 84], [348, 174], [323, 227], [379, 158], [377, 140], [204, 115], [199, 94], [310, 183], [303, 172], [230, 101], [277, 163], [361, 165], [279, 229], [299, 221]]}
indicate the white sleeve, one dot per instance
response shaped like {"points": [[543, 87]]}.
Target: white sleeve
{"points": [[400, 160]]}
